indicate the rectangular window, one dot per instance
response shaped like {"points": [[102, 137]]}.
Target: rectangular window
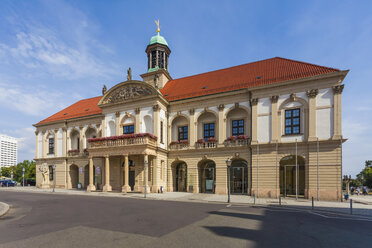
{"points": [[51, 145], [237, 127], [292, 121], [183, 133], [161, 133], [128, 129], [51, 173], [208, 130]]}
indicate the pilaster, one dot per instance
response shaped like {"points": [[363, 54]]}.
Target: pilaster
{"points": [[126, 188], [254, 103], [192, 133], [221, 124], [274, 118], [37, 144], [337, 128], [117, 123], [138, 120], [156, 121], [91, 186], [311, 94]]}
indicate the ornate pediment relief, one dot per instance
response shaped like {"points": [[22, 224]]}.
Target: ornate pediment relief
{"points": [[126, 92]]}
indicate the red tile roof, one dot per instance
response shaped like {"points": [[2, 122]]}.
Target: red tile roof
{"points": [[81, 108], [258, 73], [253, 74]]}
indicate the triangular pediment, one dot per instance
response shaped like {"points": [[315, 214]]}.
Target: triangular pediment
{"points": [[126, 91]]}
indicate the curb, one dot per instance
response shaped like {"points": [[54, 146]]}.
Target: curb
{"points": [[4, 208]]}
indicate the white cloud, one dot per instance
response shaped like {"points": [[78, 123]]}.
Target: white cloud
{"points": [[34, 103], [43, 51]]}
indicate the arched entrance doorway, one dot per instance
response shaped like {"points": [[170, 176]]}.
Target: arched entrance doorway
{"points": [[180, 177], [288, 176], [239, 177], [207, 176], [132, 174], [74, 176]]}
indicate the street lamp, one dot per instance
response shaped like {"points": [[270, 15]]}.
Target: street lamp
{"points": [[228, 163], [23, 175], [146, 164], [54, 177]]}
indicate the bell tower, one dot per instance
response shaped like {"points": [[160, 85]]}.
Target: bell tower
{"points": [[157, 61]]}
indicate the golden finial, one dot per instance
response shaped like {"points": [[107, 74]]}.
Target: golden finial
{"points": [[157, 24]]}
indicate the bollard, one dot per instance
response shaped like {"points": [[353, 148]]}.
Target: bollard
{"points": [[351, 206], [280, 200], [254, 199], [312, 203]]}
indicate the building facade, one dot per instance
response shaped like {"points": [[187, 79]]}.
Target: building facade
{"points": [[278, 120], [8, 150]]}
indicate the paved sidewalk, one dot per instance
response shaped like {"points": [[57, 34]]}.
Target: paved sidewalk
{"points": [[4, 208], [327, 206]]}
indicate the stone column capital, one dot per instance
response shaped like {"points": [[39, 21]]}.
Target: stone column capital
{"points": [[337, 89], [36, 132], [117, 114], [155, 107], [137, 110], [312, 93], [254, 101], [274, 99], [192, 111]]}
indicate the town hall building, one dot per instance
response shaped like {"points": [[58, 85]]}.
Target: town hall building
{"points": [[273, 126]]}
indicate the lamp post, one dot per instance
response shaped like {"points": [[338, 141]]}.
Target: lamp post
{"points": [[54, 177], [146, 164], [23, 175], [228, 164]]}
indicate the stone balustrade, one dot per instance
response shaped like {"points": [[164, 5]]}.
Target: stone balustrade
{"points": [[123, 140]]}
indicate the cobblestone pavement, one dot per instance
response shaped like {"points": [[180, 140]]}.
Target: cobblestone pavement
{"points": [[360, 205]]}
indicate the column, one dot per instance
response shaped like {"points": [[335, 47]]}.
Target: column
{"points": [[107, 186], [126, 188], [254, 120], [155, 175], [117, 122], [274, 118], [146, 171], [337, 131], [138, 119], [311, 94], [37, 144], [91, 186], [221, 124], [192, 131]]}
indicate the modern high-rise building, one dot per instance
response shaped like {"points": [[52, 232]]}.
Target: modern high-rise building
{"points": [[8, 150]]}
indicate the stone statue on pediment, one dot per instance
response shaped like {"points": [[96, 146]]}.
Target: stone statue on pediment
{"points": [[104, 89], [129, 74]]}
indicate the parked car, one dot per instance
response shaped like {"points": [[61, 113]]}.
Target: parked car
{"points": [[8, 183], [29, 181]]}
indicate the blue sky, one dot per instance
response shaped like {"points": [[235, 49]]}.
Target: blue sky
{"points": [[53, 53]]}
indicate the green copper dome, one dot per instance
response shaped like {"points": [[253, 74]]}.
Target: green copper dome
{"points": [[158, 39]]}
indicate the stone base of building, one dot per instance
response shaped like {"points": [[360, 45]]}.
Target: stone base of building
{"points": [[44, 186], [107, 188], [91, 188], [126, 189]]}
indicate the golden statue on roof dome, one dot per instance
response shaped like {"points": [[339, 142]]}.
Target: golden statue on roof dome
{"points": [[157, 24]]}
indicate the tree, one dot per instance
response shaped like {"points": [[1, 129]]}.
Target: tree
{"points": [[5, 171], [365, 176]]}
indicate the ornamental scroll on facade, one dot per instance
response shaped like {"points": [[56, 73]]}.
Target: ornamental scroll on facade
{"points": [[127, 92]]}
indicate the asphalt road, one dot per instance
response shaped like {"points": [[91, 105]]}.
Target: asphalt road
{"points": [[47, 220]]}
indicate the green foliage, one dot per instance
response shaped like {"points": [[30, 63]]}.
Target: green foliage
{"points": [[365, 176], [30, 170]]}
